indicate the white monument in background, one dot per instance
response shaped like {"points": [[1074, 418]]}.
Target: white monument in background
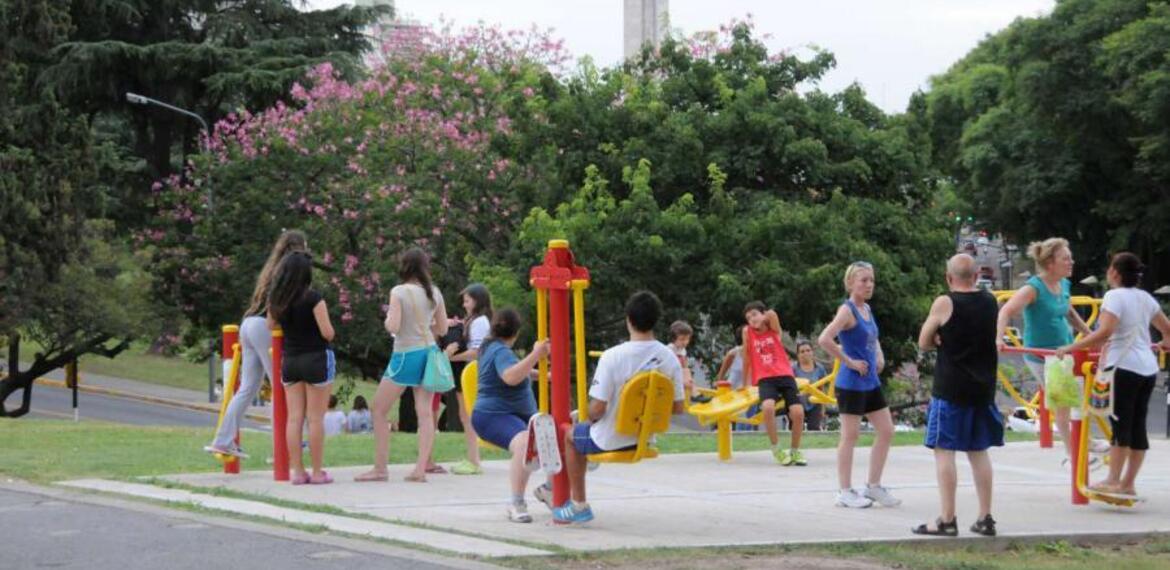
{"points": [[645, 21]]}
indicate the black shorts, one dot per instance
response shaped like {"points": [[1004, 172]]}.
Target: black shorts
{"points": [[1131, 402], [780, 388], [860, 402], [315, 368]]}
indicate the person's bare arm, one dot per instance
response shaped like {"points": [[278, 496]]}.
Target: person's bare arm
{"points": [[1078, 324], [940, 311], [1023, 297], [774, 322], [747, 360], [439, 322], [516, 373], [321, 315], [843, 320], [393, 315], [725, 365], [1162, 323], [596, 410], [1107, 324]]}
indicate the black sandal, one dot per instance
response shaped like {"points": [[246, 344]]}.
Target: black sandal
{"points": [[942, 528], [984, 526]]}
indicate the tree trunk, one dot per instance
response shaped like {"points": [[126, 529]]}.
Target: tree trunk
{"points": [[16, 380]]}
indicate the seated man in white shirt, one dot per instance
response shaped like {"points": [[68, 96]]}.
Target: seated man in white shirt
{"points": [[617, 365]]}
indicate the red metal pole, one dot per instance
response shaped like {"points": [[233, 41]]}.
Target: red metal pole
{"points": [[1044, 418], [231, 338], [279, 411], [559, 337]]}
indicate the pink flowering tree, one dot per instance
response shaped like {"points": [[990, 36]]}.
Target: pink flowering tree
{"points": [[421, 152]]}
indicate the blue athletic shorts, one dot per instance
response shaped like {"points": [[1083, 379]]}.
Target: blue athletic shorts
{"points": [[406, 367], [498, 428], [963, 428], [586, 445]]}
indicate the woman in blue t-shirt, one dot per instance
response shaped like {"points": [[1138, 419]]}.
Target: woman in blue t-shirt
{"points": [[504, 402]]}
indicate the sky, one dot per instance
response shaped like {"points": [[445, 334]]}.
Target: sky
{"points": [[890, 47]]}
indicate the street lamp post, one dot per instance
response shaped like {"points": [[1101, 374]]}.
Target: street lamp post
{"points": [[137, 99]]}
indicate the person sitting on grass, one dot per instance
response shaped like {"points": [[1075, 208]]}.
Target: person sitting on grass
{"points": [[335, 423], [597, 434]]}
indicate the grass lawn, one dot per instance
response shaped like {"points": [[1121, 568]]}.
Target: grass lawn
{"points": [[1136, 554], [135, 364], [52, 450]]}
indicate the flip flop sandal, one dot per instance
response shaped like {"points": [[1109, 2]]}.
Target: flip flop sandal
{"points": [[324, 480], [372, 477], [304, 479], [941, 528], [415, 479], [437, 470]]}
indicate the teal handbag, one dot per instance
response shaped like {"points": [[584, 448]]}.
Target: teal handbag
{"points": [[438, 376]]}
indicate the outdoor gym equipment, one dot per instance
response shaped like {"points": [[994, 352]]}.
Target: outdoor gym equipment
{"points": [[231, 376], [728, 406], [230, 352], [1082, 493]]}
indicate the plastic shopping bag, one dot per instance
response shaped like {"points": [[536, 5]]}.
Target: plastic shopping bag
{"points": [[1061, 388]]}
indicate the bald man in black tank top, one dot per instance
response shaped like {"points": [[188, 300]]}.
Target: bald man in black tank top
{"points": [[962, 415]]}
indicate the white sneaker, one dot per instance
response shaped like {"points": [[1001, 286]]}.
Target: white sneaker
{"points": [[519, 513], [882, 496], [1099, 446], [1095, 463], [543, 494], [851, 499]]}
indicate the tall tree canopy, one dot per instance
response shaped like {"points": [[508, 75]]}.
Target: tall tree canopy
{"points": [[1059, 125]]}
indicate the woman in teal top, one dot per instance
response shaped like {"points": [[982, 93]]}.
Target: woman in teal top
{"points": [[1049, 319]]}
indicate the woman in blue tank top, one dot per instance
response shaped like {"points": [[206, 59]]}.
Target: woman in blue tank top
{"points": [[1049, 318], [859, 391]]}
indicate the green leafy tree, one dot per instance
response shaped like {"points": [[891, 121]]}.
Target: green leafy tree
{"points": [[208, 56], [1057, 126], [61, 284]]}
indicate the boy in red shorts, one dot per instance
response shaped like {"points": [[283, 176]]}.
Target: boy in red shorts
{"points": [[766, 365]]}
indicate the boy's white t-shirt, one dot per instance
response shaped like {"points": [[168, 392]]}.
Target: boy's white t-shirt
{"points": [[334, 422], [616, 366], [477, 331], [1129, 347]]}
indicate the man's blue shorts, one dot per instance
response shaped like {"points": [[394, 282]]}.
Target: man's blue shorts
{"points": [[963, 428], [586, 445]]}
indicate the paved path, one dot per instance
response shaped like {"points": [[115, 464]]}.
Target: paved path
{"points": [[694, 500], [65, 531], [54, 402]]}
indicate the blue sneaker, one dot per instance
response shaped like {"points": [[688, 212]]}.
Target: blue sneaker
{"points": [[567, 514]]}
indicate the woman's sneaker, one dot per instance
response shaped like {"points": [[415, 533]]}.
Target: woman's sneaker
{"points": [[852, 499], [783, 457], [518, 513], [882, 496], [568, 514], [798, 458]]}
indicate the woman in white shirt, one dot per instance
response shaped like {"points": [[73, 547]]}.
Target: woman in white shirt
{"points": [[1126, 315], [477, 305]]}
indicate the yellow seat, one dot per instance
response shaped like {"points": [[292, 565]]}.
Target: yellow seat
{"points": [[644, 409], [469, 382]]}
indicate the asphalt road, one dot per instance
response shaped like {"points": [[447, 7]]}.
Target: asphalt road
{"points": [[48, 532], [51, 402]]}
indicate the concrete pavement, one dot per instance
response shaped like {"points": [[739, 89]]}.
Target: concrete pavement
{"points": [[694, 500], [54, 528]]}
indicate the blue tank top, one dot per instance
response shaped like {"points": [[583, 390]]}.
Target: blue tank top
{"points": [[859, 343], [1046, 318]]}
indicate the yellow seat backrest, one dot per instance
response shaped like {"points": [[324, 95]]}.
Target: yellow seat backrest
{"points": [[645, 406], [469, 382]]}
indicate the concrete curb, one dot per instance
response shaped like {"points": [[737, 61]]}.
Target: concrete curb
{"points": [[209, 408]]}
